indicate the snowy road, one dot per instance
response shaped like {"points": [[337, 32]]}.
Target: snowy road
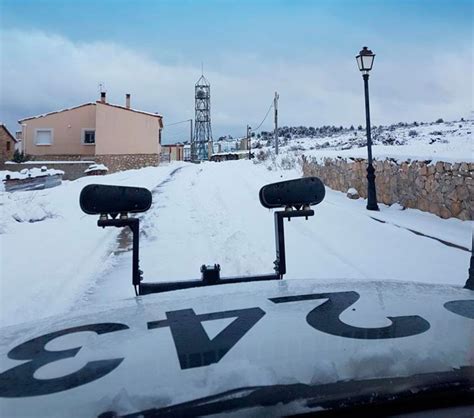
{"points": [[54, 259], [210, 213]]}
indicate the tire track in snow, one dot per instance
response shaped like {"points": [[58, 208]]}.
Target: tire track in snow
{"points": [[421, 234], [220, 224], [324, 246], [111, 276], [388, 223]]}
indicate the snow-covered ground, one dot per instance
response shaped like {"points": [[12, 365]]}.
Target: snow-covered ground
{"points": [[55, 259], [50, 250], [448, 142]]}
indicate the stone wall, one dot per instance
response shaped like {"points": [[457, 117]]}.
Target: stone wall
{"points": [[73, 157], [72, 170], [122, 162], [444, 189]]}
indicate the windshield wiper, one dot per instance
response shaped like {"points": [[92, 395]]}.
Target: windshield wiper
{"points": [[371, 397]]}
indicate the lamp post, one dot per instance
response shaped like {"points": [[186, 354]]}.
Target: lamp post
{"points": [[470, 279], [249, 129], [365, 60]]}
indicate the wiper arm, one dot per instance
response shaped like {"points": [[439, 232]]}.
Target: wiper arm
{"points": [[417, 392]]}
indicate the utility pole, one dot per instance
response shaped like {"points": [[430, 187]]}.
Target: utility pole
{"points": [[248, 142], [275, 106]]}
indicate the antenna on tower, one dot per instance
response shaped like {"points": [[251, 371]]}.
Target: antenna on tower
{"points": [[101, 87]]}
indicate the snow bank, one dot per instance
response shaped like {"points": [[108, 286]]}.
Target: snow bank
{"points": [[96, 167], [29, 173], [51, 252], [46, 162]]}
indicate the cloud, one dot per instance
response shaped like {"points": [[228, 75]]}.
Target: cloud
{"points": [[43, 72]]}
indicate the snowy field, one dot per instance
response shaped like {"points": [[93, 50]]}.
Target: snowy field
{"points": [[448, 142], [54, 259]]}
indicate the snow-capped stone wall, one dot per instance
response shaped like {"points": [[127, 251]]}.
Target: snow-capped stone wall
{"points": [[445, 189], [72, 169]]}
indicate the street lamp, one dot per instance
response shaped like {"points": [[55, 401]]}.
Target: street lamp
{"points": [[249, 130], [470, 279], [365, 60]]}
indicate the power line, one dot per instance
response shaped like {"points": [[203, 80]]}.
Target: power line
{"points": [[175, 141], [176, 123], [179, 128], [261, 123]]}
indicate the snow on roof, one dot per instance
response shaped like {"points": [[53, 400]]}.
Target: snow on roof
{"points": [[56, 111], [132, 110], [232, 152], [176, 144], [89, 104]]}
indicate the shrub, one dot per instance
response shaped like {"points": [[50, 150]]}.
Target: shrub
{"points": [[440, 120], [262, 155], [287, 163], [19, 157], [412, 132]]}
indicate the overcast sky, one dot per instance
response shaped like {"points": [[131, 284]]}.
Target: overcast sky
{"points": [[55, 53]]}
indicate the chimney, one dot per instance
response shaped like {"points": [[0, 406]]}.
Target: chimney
{"points": [[127, 100], [102, 96]]}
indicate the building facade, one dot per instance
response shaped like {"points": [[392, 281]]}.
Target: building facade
{"points": [[118, 136], [174, 152], [7, 144]]}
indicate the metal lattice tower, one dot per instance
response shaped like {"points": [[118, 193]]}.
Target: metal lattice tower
{"points": [[202, 122]]}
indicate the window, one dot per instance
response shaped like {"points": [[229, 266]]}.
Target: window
{"points": [[88, 136], [8, 146], [44, 136]]}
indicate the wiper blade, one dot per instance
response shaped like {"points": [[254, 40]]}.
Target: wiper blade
{"points": [[415, 392]]}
